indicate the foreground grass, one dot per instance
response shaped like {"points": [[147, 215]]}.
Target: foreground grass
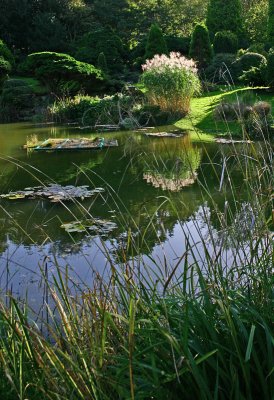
{"points": [[201, 123]]}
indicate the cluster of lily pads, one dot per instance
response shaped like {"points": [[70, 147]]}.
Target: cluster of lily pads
{"points": [[95, 225], [54, 192]]}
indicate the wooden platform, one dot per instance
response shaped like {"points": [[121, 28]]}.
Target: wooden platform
{"points": [[72, 144]]}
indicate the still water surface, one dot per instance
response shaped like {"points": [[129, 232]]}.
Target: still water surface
{"points": [[139, 178]]}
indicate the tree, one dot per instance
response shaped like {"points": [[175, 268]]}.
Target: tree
{"points": [[225, 16], [270, 27], [61, 72], [156, 43], [225, 42], [49, 34], [200, 46], [102, 63], [5, 68]]}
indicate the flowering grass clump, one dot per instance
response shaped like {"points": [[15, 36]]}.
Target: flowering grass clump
{"points": [[170, 82]]}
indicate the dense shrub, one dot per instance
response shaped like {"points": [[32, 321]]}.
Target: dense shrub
{"points": [[200, 46], [249, 60], [224, 16], [5, 68], [62, 73], [156, 43], [257, 48], [178, 44], [270, 69], [170, 82], [102, 63], [102, 40], [222, 69], [6, 53], [225, 42], [16, 100], [255, 76]]}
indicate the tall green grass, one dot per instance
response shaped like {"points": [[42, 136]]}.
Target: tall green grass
{"points": [[200, 328]]}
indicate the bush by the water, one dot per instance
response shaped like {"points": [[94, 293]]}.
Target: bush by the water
{"points": [[16, 100], [5, 69], [63, 74], [170, 82], [254, 117], [225, 42], [6, 53], [200, 46]]}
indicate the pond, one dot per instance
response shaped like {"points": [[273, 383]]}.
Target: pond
{"points": [[160, 192]]}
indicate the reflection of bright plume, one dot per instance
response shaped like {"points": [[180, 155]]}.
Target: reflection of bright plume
{"points": [[172, 184]]}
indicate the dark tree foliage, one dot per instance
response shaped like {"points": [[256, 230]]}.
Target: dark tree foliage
{"points": [[156, 43], [225, 42], [102, 41], [200, 46], [225, 15], [102, 63], [270, 69], [61, 72], [270, 29], [48, 33]]}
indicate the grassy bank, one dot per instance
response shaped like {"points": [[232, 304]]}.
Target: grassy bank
{"points": [[201, 123]]}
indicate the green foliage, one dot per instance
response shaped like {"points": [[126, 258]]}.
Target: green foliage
{"points": [[5, 69], [102, 40], [255, 21], [102, 63], [255, 76], [222, 69], [270, 69], [5, 53], [49, 34], [16, 100], [225, 42], [178, 44], [61, 72], [170, 83], [156, 43], [224, 16], [200, 46], [251, 60], [270, 26]]}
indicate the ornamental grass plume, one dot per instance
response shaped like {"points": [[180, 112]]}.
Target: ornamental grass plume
{"points": [[170, 82]]}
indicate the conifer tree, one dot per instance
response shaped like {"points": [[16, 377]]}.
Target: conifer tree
{"points": [[200, 46], [156, 43], [225, 16], [102, 63]]}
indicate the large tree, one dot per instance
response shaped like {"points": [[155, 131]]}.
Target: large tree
{"points": [[225, 16], [200, 46]]}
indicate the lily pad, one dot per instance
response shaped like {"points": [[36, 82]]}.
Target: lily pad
{"points": [[94, 225]]}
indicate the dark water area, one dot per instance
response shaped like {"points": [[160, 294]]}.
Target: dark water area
{"points": [[159, 191]]}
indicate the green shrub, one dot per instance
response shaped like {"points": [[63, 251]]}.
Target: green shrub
{"points": [[258, 48], [224, 16], [178, 44], [16, 101], [102, 63], [5, 69], [61, 72], [200, 46], [155, 43], [249, 60], [222, 69], [225, 42], [254, 76], [6, 53], [170, 82], [102, 40], [270, 69]]}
